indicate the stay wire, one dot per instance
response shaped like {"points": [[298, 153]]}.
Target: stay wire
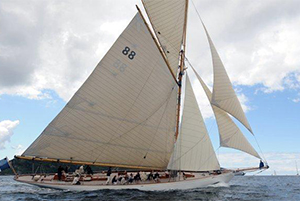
{"points": [[264, 158]]}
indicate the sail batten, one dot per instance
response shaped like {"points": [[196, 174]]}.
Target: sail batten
{"points": [[224, 96], [193, 149], [230, 135], [125, 110]]}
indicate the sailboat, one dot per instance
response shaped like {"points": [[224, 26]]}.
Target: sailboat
{"points": [[297, 171], [130, 113]]}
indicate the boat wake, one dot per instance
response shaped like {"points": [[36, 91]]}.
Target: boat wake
{"points": [[220, 184]]}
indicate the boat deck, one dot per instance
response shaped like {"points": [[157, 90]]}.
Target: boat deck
{"points": [[101, 179]]}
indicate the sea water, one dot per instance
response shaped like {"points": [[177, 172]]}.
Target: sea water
{"points": [[284, 188]]}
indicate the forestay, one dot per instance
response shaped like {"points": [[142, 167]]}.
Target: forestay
{"points": [[193, 149], [223, 95], [124, 113], [230, 135], [167, 19]]}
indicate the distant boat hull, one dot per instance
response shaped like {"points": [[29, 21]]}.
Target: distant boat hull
{"points": [[198, 182]]}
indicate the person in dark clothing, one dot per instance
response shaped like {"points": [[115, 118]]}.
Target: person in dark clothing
{"points": [[137, 177], [66, 169], [108, 175], [156, 176], [261, 164], [114, 180], [130, 180], [89, 170], [59, 172], [150, 176]]}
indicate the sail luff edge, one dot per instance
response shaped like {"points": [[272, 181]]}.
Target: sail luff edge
{"points": [[157, 44]]}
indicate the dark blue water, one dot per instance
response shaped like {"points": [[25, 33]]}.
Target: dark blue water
{"points": [[241, 188]]}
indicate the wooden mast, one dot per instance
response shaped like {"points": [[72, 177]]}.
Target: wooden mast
{"points": [[181, 66], [158, 46]]}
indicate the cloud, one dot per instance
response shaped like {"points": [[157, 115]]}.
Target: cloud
{"points": [[296, 100], [257, 42], [282, 163], [56, 45], [6, 131], [19, 149]]}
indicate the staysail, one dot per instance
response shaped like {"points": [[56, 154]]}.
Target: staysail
{"points": [[193, 149], [124, 113], [230, 135], [223, 95], [167, 18]]}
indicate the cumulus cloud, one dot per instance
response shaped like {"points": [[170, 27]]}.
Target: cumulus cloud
{"points": [[6, 131], [19, 149], [257, 42], [56, 45], [282, 163]]}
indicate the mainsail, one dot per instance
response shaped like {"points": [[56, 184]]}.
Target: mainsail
{"points": [[230, 135], [193, 149], [167, 18], [223, 95], [125, 112]]}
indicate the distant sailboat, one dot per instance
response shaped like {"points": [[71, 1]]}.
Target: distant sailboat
{"points": [[297, 171], [127, 114]]}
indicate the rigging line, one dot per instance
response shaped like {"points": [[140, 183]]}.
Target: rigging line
{"points": [[214, 123], [117, 137], [188, 150], [130, 109], [214, 153], [260, 150], [145, 156], [138, 124], [233, 116], [197, 11]]}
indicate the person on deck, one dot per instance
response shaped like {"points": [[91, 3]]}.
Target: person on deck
{"points": [[130, 180], [59, 172], [81, 169], [120, 179], [66, 170], [108, 175], [261, 164], [150, 176], [114, 180], [76, 180], [89, 170], [156, 177], [137, 177]]}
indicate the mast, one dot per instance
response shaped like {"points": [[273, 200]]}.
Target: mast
{"points": [[157, 44], [181, 66]]}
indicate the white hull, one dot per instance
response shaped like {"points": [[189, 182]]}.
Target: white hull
{"points": [[177, 185]]}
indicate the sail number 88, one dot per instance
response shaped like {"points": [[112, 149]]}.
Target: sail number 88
{"points": [[130, 54]]}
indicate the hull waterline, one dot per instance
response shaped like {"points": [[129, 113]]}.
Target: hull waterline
{"points": [[164, 186]]}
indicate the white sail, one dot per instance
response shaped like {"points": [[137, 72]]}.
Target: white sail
{"points": [[193, 150], [167, 19], [224, 96], [230, 135], [125, 112]]}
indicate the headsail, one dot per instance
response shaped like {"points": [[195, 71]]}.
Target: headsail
{"points": [[193, 149], [223, 95], [230, 135], [123, 114], [167, 18]]}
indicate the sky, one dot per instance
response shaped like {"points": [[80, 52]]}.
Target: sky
{"points": [[48, 49]]}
